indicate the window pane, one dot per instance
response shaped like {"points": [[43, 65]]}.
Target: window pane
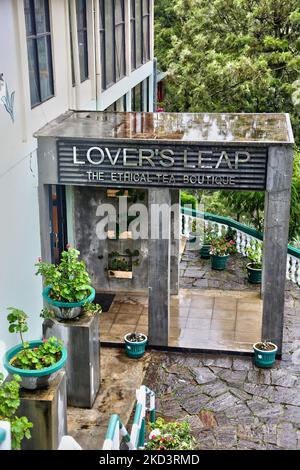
{"points": [[146, 44], [109, 43], [41, 16], [81, 13], [71, 44], [145, 6], [132, 34], [138, 29], [83, 57], [82, 39], [33, 72], [120, 52], [43, 48], [119, 9], [28, 17]]}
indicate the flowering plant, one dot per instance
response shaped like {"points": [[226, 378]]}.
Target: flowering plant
{"points": [[38, 358], [69, 279], [222, 247], [170, 436]]}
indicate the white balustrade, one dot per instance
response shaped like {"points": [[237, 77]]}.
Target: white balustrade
{"points": [[244, 241]]}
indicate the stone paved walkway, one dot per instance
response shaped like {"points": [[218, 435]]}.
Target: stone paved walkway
{"points": [[230, 403], [197, 273]]}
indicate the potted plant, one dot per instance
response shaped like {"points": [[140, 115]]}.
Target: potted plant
{"points": [[264, 354], [206, 245], [135, 344], [9, 404], [220, 251], [170, 436], [67, 284], [36, 362], [254, 267]]}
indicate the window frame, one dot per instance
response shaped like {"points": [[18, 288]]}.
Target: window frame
{"points": [[33, 37]]}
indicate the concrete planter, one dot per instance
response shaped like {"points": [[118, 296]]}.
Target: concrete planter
{"points": [[254, 274], [66, 310], [33, 379], [219, 262], [264, 359], [135, 349], [205, 251]]}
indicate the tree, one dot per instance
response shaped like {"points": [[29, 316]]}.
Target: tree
{"points": [[233, 56]]}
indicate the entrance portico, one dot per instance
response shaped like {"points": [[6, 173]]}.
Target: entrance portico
{"points": [[157, 154]]}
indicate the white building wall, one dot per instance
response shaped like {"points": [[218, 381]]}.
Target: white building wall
{"points": [[19, 216]]}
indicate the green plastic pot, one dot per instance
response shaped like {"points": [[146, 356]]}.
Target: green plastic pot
{"points": [[254, 274], [264, 359], [205, 251], [134, 349], [33, 379], [67, 310], [219, 262]]}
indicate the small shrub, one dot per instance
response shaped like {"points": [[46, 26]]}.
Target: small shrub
{"points": [[170, 436]]}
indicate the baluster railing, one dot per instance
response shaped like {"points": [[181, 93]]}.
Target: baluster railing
{"points": [[246, 237]]}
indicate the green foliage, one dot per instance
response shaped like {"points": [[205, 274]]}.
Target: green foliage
{"points": [[254, 256], [69, 279], [9, 403], [92, 309], [233, 56], [46, 313], [46, 355], [187, 199], [170, 436], [17, 322]]}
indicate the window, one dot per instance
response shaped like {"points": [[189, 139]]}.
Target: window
{"points": [[140, 32], [71, 44], [82, 39], [38, 36], [112, 41], [146, 30], [132, 33]]}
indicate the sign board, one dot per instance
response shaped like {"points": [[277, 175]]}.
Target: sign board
{"points": [[145, 164]]}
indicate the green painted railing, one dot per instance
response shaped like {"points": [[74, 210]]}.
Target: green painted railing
{"points": [[136, 439], [246, 237], [234, 224]]}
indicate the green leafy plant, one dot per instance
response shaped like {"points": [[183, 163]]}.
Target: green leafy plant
{"points": [[254, 256], [222, 247], [37, 358], [47, 313], [91, 308], [9, 403], [170, 436], [69, 279]]}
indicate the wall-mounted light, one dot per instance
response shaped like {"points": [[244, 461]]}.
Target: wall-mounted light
{"points": [[6, 98]]}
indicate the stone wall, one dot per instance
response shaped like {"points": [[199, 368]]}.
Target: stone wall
{"points": [[95, 252]]}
